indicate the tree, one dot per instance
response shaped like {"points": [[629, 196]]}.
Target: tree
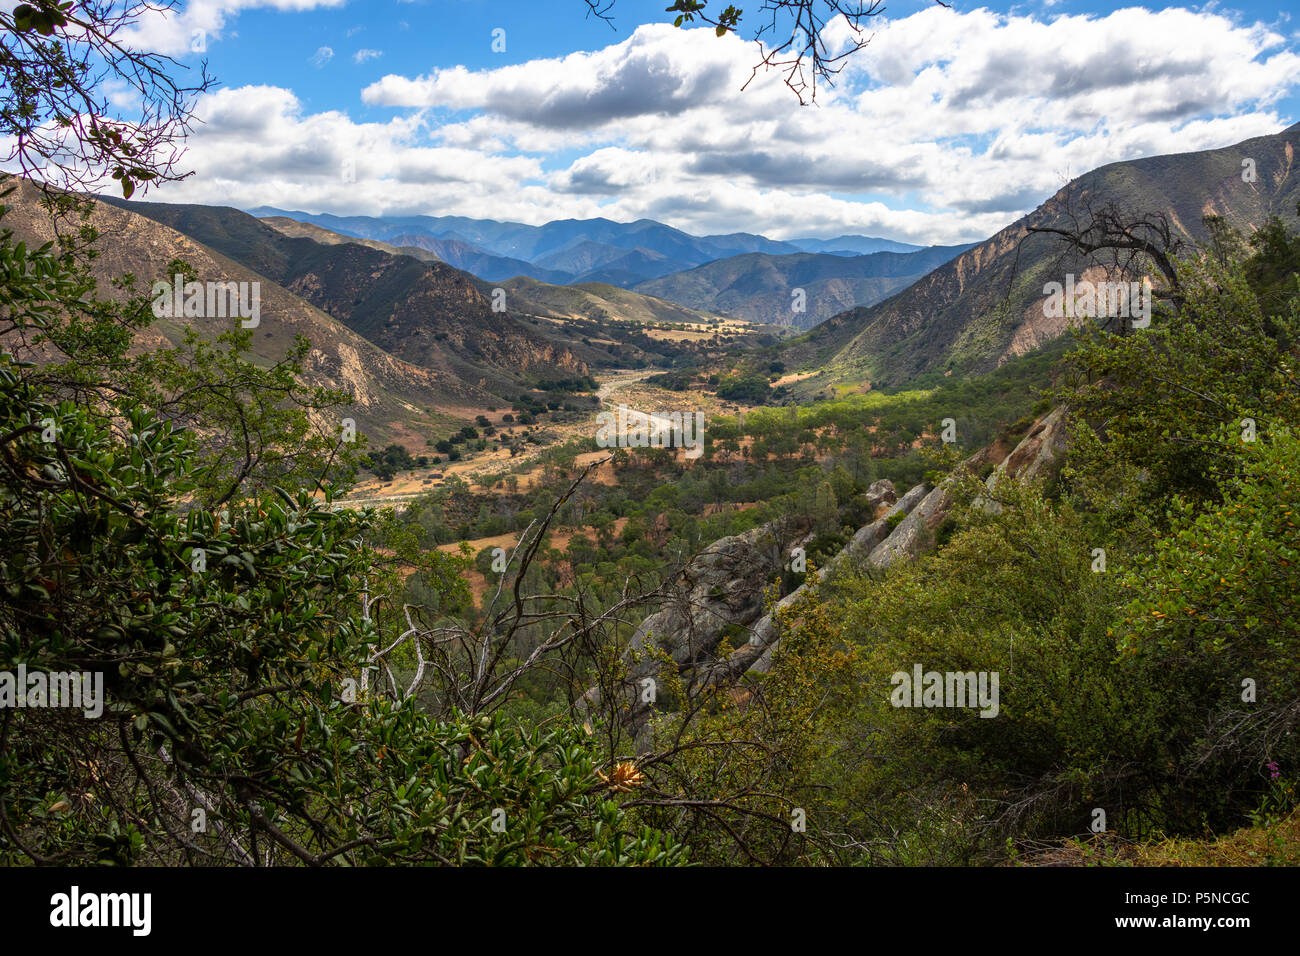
{"points": [[825, 511], [229, 652], [1171, 411], [1221, 595], [224, 625], [1129, 243], [57, 57], [255, 425], [1273, 267]]}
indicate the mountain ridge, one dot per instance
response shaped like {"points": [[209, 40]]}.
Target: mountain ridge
{"points": [[761, 288], [986, 305], [424, 312], [392, 399]]}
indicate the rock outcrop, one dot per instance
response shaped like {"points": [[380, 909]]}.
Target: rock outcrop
{"points": [[757, 654], [1036, 456], [723, 587]]}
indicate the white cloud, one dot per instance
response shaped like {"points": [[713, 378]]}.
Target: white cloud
{"points": [[173, 31], [945, 128], [364, 54], [121, 94], [658, 70], [322, 56], [254, 145]]}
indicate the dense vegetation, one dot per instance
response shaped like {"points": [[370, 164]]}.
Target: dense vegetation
{"points": [[235, 639], [290, 681]]}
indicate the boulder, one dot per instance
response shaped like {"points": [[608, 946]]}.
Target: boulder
{"points": [[756, 655], [1038, 455]]}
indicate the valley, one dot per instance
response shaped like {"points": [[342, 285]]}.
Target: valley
{"points": [[585, 444]]}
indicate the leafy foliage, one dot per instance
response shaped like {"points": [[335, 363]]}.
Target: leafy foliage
{"points": [[235, 644]]}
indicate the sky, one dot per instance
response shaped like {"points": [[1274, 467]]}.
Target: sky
{"points": [[947, 126]]}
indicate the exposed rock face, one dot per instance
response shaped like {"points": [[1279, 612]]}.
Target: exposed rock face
{"points": [[1038, 451], [721, 587], [724, 587], [757, 654], [915, 533], [1035, 457], [986, 305], [880, 495]]}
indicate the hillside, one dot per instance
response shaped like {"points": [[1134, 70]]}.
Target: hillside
{"points": [[758, 287], [393, 397], [305, 230], [426, 313], [605, 326], [986, 305], [457, 254], [595, 300]]}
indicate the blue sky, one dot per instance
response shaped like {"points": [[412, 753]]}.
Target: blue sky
{"points": [[948, 125]]}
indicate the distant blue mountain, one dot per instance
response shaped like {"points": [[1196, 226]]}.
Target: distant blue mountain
{"points": [[757, 287], [575, 250], [566, 250], [853, 245], [476, 261]]}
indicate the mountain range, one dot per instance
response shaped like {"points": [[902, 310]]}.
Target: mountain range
{"points": [[420, 346], [528, 296], [423, 312], [744, 284], [418, 343], [568, 250], [853, 245], [391, 397]]}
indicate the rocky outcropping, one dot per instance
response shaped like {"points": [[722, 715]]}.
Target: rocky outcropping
{"points": [[722, 587], [723, 590], [756, 655], [1037, 455]]}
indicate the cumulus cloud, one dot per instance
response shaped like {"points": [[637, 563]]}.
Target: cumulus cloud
{"points": [[945, 128], [191, 26], [658, 71], [605, 172], [255, 145]]}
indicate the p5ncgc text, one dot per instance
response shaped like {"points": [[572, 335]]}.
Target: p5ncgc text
{"points": [[1196, 899]]}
